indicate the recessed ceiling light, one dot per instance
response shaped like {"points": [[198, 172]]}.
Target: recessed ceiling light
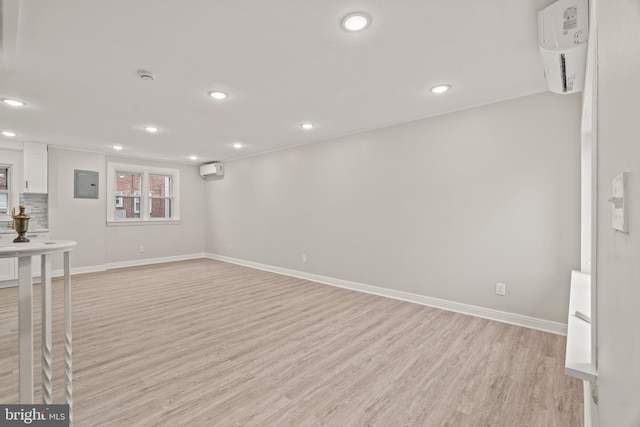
{"points": [[151, 129], [216, 94], [9, 133], [13, 102], [193, 157], [440, 89], [117, 147], [356, 21], [237, 145], [307, 126]]}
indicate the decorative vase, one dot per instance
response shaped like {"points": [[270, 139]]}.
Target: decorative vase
{"points": [[21, 224]]}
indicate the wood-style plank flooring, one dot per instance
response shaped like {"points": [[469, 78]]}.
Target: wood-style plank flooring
{"points": [[206, 343]]}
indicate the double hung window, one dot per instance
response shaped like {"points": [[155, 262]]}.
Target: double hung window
{"points": [[5, 190], [142, 194]]}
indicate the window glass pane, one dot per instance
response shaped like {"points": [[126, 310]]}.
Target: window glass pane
{"points": [[4, 178], [160, 208], [130, 207], [4, 203], [159, 185], [128, 184]]}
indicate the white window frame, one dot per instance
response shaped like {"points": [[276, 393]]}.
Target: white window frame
{"points": [[144, 171], [12, 160], [170, 197], [8, 192]]}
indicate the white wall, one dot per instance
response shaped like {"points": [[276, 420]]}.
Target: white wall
{"points": [[442, 207], [81, 220], [159, 241], [84, 220], [618, 255]]}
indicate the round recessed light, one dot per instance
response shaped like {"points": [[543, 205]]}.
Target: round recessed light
{"points": [[307, 126], [440, 89], [237, 145], [117, 147], [216, 94], [151, 129], [13, 102], [193, 157], [356, 21], [9, 133]]}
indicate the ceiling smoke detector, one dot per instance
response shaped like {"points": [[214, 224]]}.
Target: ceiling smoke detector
{"points": [[146, 75]]}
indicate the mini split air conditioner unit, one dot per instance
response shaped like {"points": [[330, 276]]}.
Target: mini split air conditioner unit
{"points": [[563, 32], [212, 170]]}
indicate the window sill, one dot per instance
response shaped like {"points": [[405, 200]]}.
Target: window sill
{"points": [[135, 222]]}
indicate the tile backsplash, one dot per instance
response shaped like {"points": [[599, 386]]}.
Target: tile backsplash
{"points": [[39, 205]]}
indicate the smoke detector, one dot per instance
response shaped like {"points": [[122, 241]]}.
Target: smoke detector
{"points": [[146, 75]]}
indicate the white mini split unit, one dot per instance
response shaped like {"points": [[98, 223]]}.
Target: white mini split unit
{"points": [[212, 170], [563, 32]]}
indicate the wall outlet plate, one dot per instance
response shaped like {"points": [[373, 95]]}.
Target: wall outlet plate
{"points": [[501, 289]]}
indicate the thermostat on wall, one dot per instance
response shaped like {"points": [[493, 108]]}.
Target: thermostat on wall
{"points": [[619, 203]]}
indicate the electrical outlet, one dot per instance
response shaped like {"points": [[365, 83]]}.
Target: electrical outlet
{"points": [[501, 289], [304, 257], [141, 249], [230, 247]]}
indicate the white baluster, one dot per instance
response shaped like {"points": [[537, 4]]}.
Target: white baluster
{"points": [[68, 366], [25, 315], [47, 373]]}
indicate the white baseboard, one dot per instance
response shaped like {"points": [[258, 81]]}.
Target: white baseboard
{"points": [[79, 270], [487, 313], [108, 266], [148, 261]]}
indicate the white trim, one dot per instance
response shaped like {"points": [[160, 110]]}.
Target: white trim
{"points": [[148, 261], [109, 266], [486, 313], [79, 270], [56, 273], [129, 222], [144, 171]]}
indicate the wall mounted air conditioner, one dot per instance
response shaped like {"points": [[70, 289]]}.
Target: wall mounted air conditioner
{"points": [[563, 32], [212, 170]]}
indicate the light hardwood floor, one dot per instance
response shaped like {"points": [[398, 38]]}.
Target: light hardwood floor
{"points": [[206, 343]]}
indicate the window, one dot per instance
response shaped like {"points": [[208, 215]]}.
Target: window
{"points": [[160, 195], [128, 193], [142, 194], [5, 195]]}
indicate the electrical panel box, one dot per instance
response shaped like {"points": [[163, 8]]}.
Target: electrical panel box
{"points": [[85, 184]]}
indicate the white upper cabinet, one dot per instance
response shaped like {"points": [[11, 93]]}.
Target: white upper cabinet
{"points": [[35, 168]]}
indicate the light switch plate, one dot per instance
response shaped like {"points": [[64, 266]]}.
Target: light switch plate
{"points": [[619, 203]]}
